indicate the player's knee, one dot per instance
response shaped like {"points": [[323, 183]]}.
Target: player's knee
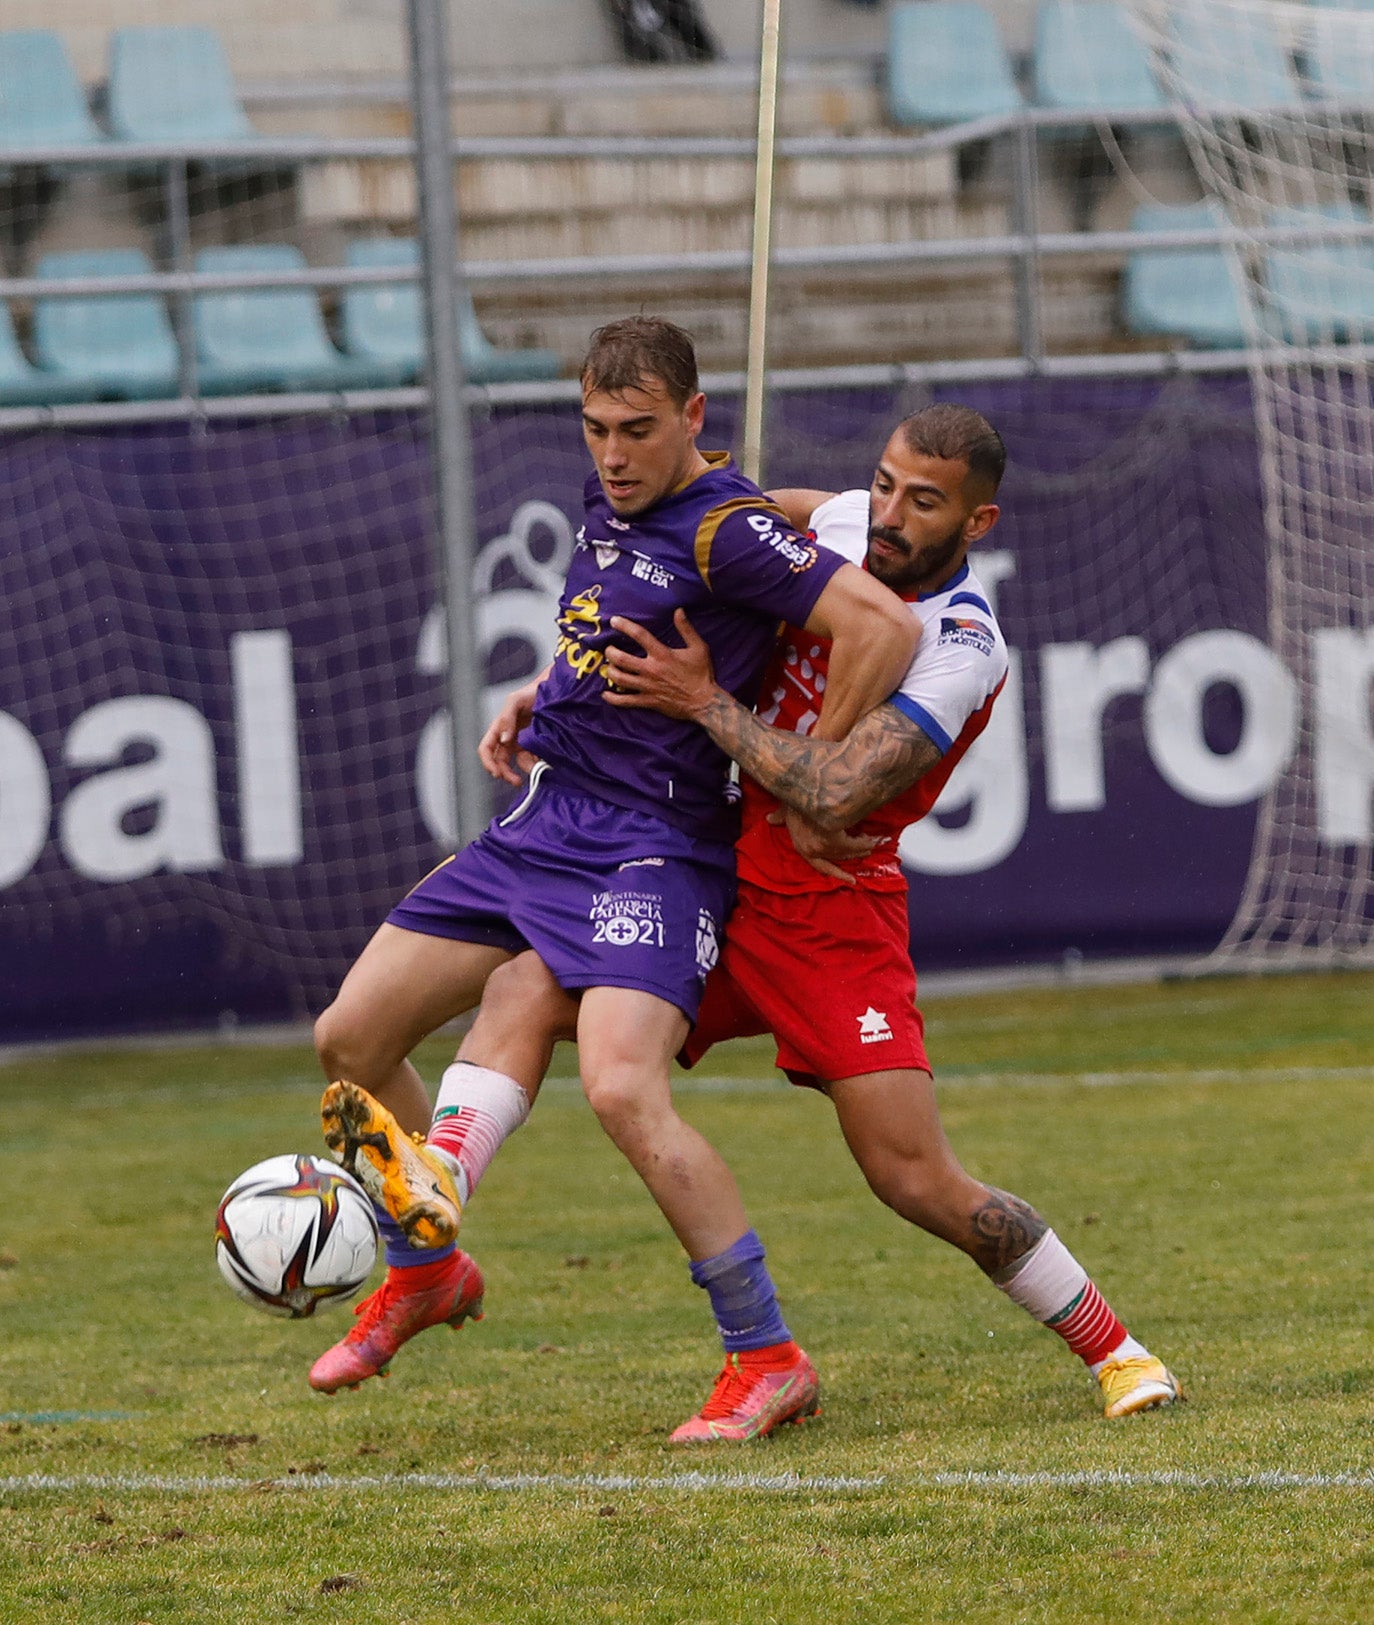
{"points": [[341, 1045], [909, 1185], [617, 1096], [524, 991]]}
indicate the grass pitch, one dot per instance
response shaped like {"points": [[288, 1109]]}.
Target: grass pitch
{"points": [[1205, 1148]]}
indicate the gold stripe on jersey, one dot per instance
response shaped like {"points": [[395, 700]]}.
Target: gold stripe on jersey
{"points": [[714, 460], [715, 517]]}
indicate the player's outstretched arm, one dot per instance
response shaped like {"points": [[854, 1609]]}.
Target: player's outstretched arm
{"points": [[833, 783]]}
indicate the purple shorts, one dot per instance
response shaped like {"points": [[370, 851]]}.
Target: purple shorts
{"points": [[605, 896]]}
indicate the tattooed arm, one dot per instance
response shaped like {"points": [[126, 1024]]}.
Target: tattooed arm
{"points": [[831, 783]]}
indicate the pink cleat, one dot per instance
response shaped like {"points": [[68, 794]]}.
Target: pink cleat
{"points": [[749, 1401], [407, 1302]]}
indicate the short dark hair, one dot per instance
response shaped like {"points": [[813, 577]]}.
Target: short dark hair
{"points": [[622, 354], [957, 434]]}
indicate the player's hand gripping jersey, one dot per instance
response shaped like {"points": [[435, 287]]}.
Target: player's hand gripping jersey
{"points": [[717, 548], [948, 691]]}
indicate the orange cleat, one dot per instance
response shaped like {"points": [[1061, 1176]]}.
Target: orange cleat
{"points": [[749, 1401], [409, 1301]]}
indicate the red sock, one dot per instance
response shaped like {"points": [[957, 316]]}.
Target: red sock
{"points": [[420, 1277], [1089, 1327], [776, 1357]]}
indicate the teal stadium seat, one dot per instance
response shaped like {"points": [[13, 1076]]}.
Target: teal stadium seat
{"points": [[1187, 292], [946, 64], [173, 84], [268, 338], [1320, 291], [21, 383], [110, 346], [41, 100], [384, 325], [1340, 56], [1228, 59], [1087, 57]]}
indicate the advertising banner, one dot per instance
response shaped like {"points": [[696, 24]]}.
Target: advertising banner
{"points": [[223, 752]]}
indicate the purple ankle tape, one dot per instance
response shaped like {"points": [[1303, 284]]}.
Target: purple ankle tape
{"points": [[400, 1255], [743, 1298]]}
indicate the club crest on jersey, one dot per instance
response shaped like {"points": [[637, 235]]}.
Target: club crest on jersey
{"points": [[966, 632], [606, 554]]}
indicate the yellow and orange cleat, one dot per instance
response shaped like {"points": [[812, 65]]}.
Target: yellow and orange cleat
{"points": [[398, 1171]]}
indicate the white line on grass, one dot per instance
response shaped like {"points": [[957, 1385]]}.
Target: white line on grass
{"points": [[775, 1483]]}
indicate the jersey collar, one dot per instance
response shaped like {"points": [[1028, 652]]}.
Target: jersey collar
{"points": [[715, 461], [961, 574]]}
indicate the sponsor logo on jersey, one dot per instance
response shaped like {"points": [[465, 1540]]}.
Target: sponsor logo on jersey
{"points": [[970, 634], [800, 555], [873, 1027], [581, 618], [643, 863], [652, 571]]}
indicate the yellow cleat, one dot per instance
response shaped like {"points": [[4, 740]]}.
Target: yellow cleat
{"points": [[1135, 1385], [398, 1170]]}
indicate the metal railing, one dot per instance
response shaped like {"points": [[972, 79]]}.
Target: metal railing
{"points": [[1025, 248]]}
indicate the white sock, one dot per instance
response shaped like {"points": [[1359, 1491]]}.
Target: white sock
{"points": [[477, 1110], [1049, 1283]]}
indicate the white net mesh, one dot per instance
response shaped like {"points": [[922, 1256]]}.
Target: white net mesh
{"points": [[1277, 104]]}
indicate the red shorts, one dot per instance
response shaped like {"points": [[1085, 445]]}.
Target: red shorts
{"points": [[829, 974]]}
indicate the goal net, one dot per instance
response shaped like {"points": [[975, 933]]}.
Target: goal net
{"points": [[1276, 102]]}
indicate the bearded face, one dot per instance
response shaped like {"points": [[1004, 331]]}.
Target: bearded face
{"points": [[906, 564]]}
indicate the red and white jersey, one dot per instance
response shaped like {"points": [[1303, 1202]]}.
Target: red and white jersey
{"points": [[948, 691]]}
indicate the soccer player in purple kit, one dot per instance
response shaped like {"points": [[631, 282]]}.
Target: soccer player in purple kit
{"points": [[617, 867]]}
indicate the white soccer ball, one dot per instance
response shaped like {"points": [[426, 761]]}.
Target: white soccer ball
{"points": [[295, 1233]]}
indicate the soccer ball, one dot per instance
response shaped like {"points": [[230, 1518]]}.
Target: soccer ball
{"points": [[295, 1233]]}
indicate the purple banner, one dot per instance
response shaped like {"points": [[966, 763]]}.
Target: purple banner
{"points": [[223, 755]]}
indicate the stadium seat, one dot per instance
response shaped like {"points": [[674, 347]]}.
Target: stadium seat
{"points": [[41, 100], [118, 346], [384, 325], [1187, 292], [268, 338], [21, 383], [1339, 57], [1231, 59], [1088, 57], [1321, 290], [946, 64], [173, 84]]}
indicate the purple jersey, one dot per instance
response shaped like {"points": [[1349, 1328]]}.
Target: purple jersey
{"points": [[715, 547]]}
